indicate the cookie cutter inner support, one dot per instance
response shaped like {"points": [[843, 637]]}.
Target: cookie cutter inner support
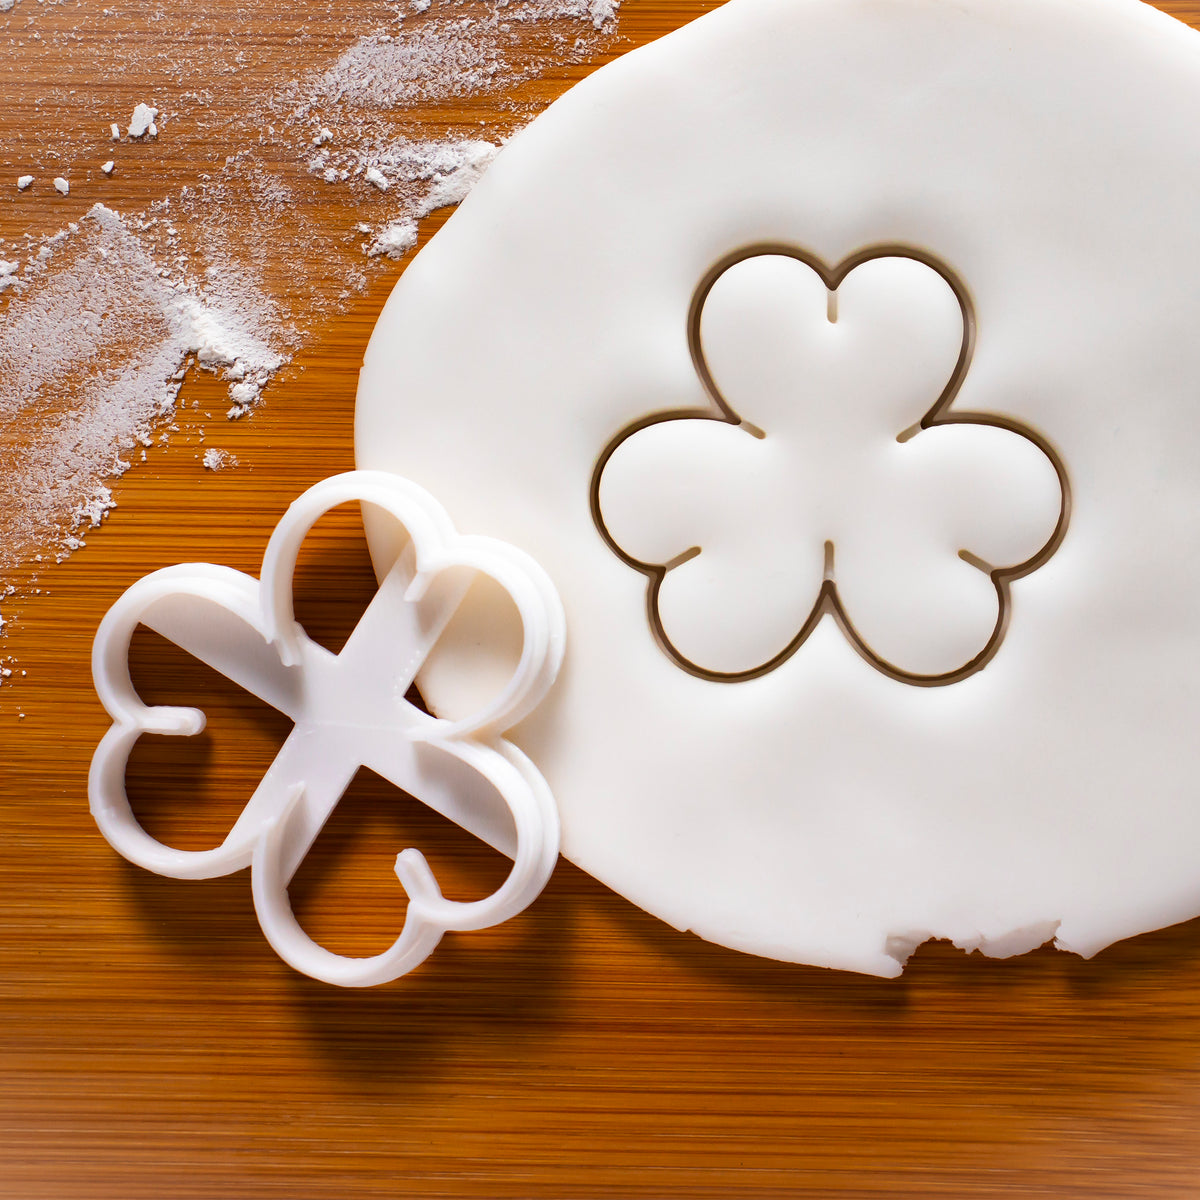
{"points": [[348, 710]]}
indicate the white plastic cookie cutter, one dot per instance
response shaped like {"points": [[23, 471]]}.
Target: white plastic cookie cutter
{"points": [[349, 711]]}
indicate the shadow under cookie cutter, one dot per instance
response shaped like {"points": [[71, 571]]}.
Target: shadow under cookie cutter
{"points": [[349, 710]]}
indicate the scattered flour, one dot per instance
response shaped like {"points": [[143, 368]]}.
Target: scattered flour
{"points": [[91, 356], [444, 57], [101, 321]]}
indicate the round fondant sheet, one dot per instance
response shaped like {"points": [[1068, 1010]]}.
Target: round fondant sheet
{"points": [[838, 360]]}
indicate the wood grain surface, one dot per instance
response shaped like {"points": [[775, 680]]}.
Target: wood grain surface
{"points": [[152, 1045]]}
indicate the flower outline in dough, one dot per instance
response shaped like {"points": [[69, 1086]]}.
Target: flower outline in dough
{"points": [[829, 601]]}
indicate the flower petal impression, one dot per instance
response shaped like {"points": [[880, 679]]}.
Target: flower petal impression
{"points": [[832, 476]]}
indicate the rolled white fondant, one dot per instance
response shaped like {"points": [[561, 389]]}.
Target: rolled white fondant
{"points": [[1044, 156]]}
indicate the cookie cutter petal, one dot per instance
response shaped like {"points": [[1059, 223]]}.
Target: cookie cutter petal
{"points": [[179, 593], [430, 913], [435, 547]]}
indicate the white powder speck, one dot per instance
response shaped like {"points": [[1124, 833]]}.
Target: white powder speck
{"points": [[23, 182], [378, 178], [394, 240], [142, 121], [457, 170], [244, 394], [326, 135], [94, 509], [61, 185], [218, 460], [108, 167], [116, 131]]}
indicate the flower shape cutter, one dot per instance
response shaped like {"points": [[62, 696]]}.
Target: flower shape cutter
{"points": [[349, 710], [831, 476]]}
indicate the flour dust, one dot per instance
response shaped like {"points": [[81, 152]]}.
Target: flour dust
{"points": [[388, 110]]}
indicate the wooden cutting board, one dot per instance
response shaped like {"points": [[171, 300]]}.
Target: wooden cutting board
{"points": [[152, 1046]]}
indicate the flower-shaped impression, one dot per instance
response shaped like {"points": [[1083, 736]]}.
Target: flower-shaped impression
{"points": [[831, 476], [349, 710]]}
